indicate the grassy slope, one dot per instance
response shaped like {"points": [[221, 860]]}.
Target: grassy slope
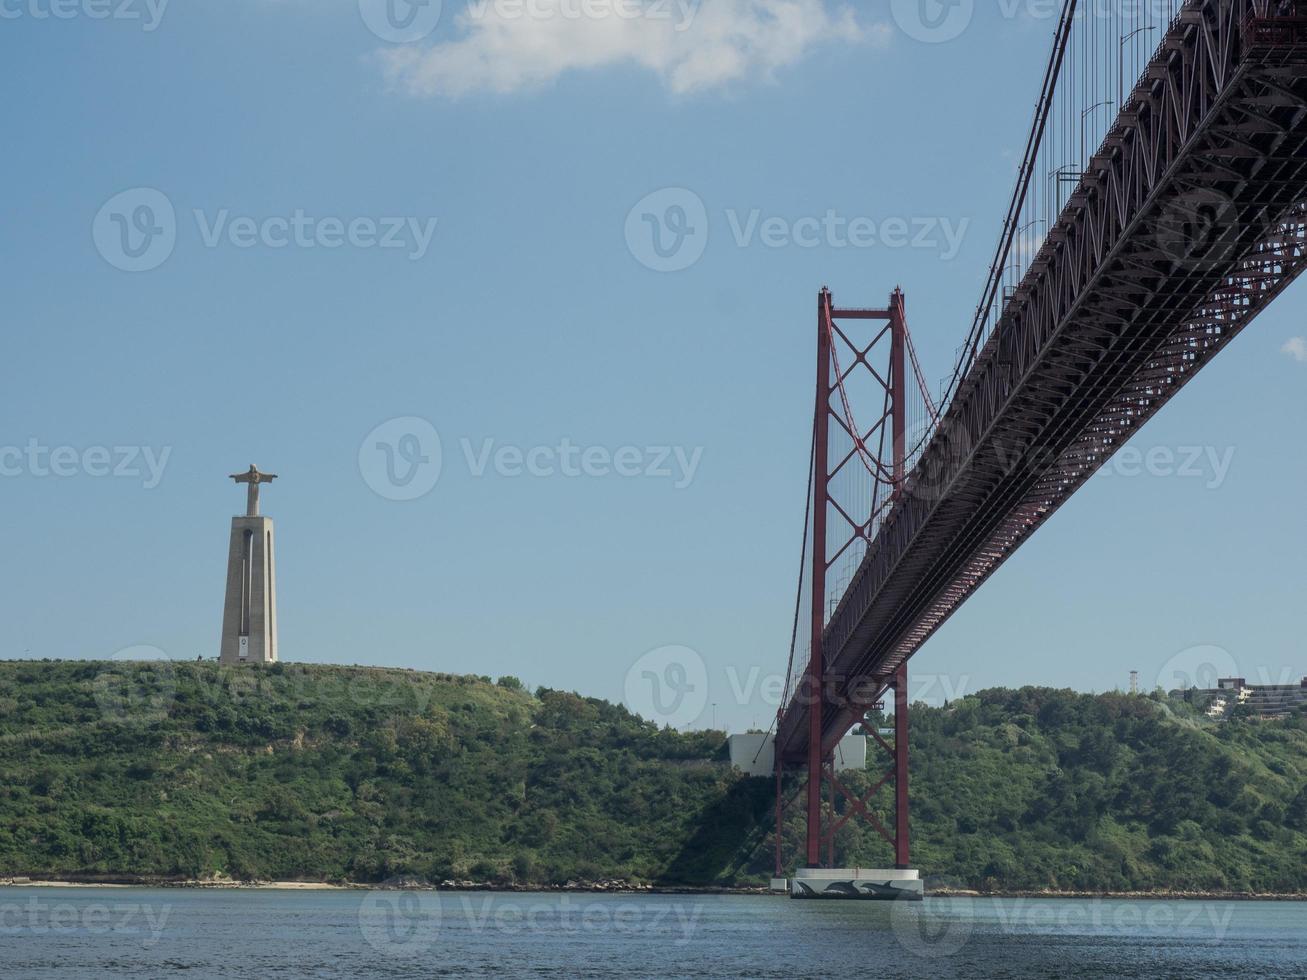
{"points": [[366, 774]]}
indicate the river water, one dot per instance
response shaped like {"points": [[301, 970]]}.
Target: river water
{"points": [[140, 933]]}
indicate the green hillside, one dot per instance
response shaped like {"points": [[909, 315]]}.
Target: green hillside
{"points": [[363, 774]]}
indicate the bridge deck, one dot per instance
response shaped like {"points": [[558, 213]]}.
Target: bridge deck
{"points": [[1186, 224]]}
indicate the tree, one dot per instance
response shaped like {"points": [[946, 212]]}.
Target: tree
{"points": [[1296, 815]]}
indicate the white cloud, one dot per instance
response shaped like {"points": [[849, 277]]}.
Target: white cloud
{"points": [[511, 45], [1296, 348]]}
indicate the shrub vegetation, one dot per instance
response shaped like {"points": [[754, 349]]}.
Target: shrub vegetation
{"points": [[189, 770]]}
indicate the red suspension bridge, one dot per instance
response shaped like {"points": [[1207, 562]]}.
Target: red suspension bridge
{"points": [[1152, 220]]}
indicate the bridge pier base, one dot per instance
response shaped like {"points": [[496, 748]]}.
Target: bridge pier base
{"points": [[903, 885], [841, 805]]}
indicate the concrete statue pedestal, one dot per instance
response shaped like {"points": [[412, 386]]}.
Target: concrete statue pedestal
{"points": [[249, 614]]}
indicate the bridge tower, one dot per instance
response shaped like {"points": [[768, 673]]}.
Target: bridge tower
{"points": [[857, 478]]}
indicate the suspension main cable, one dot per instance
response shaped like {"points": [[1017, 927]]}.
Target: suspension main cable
{"points": [[1043, 111]]}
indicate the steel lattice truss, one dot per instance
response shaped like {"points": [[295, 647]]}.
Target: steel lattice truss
{"points": [[1186, 224]]}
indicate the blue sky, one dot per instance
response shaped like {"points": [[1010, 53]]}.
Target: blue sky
{"points": [[365, 231]]}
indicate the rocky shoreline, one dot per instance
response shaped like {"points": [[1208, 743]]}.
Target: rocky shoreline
{"points": [[616, 886], [611, 885], [1176, 896]]}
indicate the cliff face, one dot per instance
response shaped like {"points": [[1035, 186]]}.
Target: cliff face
{"points": [[295, 771]]}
